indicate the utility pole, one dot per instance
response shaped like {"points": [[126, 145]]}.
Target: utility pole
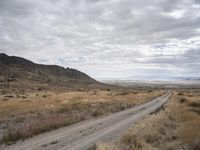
{"points": [[116, 84], [6, 78]]}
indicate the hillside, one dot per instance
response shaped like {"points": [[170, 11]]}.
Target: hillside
{"points": [[23, 73]]}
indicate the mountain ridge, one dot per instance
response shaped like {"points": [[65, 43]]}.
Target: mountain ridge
{"points": [[24, 70]]}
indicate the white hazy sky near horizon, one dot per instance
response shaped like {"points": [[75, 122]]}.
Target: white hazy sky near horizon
{"points": [[105, 38]]}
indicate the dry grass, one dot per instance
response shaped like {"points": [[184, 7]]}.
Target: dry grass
{"points": [[175, 127], [35, 102], [106, 147], [23, 118]]}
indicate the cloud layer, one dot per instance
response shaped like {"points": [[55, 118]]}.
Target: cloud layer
{"points": [[106, 39]]}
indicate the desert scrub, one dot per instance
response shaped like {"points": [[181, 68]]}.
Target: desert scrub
{"points": [[11, 136], [195, 107], [44, 96], [73, 106], [97, 113], [183, 100], [195, 104], [67, 114], [9, 96], [176, 127], [36, 126], [45, 114], [180, 93], [131, 141], [124, 93], [19, 119]]}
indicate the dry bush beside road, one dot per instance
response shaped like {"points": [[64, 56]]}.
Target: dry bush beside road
{"points": [[176, 126]]}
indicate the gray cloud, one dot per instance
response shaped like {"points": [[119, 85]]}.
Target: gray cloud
{"points": [[103, 37]]}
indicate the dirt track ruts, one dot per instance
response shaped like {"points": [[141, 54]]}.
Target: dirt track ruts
{"points": [[82, 135]]}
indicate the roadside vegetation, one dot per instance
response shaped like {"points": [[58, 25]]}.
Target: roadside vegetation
{"points": [[176, 126], [25, 115]]}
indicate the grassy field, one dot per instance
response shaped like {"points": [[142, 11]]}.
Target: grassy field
{"points": [[23, 115], [175, 126]]}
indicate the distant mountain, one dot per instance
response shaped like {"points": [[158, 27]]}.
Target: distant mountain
{"points": [[149, 77], [188, 78], [158, 78], [26, 73]]}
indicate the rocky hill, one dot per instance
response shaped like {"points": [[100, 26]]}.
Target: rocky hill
{"points": [[20, 72]]}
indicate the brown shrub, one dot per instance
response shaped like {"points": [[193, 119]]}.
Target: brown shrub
{"points": [[180, 93], [183, 100], [132, 141]]}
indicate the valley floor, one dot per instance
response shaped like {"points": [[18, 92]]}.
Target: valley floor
{"points": [[85, 134], [173, 126], [23, 115]]}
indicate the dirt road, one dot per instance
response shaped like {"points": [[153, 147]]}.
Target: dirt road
{"points": [[82, 135]]}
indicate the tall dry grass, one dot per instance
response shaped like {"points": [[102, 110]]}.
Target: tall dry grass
{"points": [[175, 127]]}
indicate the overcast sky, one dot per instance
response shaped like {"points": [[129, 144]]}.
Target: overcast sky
{"points": [[105, 38]]}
